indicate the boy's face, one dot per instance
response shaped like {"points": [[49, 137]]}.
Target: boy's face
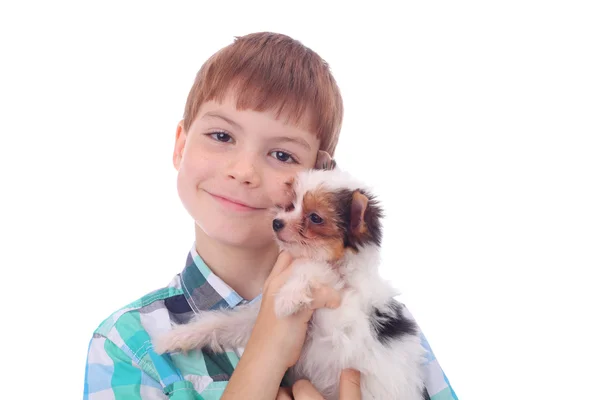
{"points": [[233, 167]]}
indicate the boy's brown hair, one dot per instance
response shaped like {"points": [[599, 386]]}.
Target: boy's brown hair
{"points": [[270, 71]]}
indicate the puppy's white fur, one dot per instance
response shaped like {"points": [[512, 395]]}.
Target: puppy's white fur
{"points": [[337, 338]]}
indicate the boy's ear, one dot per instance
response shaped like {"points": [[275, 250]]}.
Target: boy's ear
{"points": [[180, 137], [324, 161]]}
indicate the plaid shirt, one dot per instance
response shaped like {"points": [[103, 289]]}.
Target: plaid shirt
{"points": [[121, 363]]}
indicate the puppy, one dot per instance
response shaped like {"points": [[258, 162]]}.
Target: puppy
{"points": [[333, 229]]}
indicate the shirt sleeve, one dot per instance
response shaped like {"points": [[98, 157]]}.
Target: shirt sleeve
{"points": [[436, 383], [111, 374]]}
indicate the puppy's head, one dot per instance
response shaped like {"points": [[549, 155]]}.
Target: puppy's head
{"points": [[330, 216]]}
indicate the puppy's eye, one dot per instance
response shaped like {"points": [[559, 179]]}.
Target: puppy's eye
{"points": [[315, 219]]}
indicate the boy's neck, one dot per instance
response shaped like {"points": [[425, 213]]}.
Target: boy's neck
{"points": [[243, 269]]}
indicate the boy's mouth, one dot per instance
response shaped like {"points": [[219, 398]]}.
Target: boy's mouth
{"points": [[234, 204]]}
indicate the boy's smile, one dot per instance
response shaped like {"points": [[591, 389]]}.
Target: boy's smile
{"points": [[233, 166], [233, 204]]}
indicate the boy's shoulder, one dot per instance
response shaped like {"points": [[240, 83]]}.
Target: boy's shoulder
{"points": [[131, 328], [195, 289], [190, 291], [149, 304], [122, 343]]}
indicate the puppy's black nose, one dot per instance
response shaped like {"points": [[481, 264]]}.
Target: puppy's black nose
{"points": [[277, 225]]}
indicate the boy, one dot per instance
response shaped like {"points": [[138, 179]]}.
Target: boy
{"points": [[260, 110]]}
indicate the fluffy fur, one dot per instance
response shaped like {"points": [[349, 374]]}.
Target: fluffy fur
{"points": [[334, 228]]}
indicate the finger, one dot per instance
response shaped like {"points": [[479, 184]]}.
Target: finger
{"points": [[350, 385], [305, 314], [284, 394], [284, 259], [280, 273], [278, 279], [325, 296], [304, 390]]}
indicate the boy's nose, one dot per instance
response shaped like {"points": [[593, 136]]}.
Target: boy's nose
{"points": [[243, 170], [278, 225]]}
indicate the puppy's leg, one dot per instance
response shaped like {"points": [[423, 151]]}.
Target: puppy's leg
{"points": [[297, 291], [217, 330]]}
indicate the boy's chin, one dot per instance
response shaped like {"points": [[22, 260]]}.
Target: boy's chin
{"points": [[243, 238]]}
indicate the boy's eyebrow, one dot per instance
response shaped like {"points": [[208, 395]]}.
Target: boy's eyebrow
{"points": [[282, 139], [229, 121], [287, 139]]}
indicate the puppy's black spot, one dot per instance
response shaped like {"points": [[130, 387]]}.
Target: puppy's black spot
{"points": [[388, 323], [426, 394]]}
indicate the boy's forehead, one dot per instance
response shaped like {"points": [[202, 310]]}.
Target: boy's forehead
{"points": [[229, 110]]}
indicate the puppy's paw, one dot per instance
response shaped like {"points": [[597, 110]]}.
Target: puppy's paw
{"points": [[291, 298], [165, 343], [180, 338]]}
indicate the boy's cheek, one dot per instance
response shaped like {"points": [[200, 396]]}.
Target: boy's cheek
{"points": [[282, 194]]}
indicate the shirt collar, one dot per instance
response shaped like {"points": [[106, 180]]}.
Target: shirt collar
{"points": [[203, 289]]}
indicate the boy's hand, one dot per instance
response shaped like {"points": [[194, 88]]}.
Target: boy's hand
{"points": [[275, 343], [304, 390], [287, 334]]}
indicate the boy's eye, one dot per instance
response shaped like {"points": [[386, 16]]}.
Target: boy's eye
{"points": [[283, 156], [315, 219], [221, 136]]}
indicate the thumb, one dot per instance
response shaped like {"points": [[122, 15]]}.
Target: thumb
{"points": [[350, 385], [284, 260], [325, 296]]}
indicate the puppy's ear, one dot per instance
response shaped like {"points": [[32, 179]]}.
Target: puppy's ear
{"points": [[360, 202], [365, 219], [324, 161]]}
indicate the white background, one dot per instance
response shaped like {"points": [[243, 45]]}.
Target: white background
{"points": [[477, 123]]}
